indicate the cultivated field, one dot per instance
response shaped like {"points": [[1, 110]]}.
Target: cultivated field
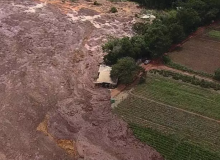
{"points": [[201, 53], [156, 112]]}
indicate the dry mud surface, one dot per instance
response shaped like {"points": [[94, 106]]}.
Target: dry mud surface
{"points": [[49, 107]]}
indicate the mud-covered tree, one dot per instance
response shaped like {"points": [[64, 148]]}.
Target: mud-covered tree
{"points": [[125, 70]]}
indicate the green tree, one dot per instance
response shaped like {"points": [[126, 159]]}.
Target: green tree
{"points": [[157, 39], [176, 33], [112, 47], [140, 49], [125, 70], [217, 74], [189, 19], [118, 48]]}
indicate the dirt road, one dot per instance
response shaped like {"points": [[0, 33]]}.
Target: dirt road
{"points": [[49, 107]]}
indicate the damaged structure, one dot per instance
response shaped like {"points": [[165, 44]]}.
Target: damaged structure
{"points": [[104, 77]]}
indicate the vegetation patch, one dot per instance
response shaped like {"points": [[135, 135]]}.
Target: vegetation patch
{"points": [[214, 34], [217, 74], [113, 10], [179, 120], [154, 39], [186, 69], [170, 147]]}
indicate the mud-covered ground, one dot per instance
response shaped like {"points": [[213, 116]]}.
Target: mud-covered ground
{"points": [[49, 107]]}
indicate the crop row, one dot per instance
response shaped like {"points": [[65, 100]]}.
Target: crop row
{"points": [[182, 95], [172, 148], [192, 126], [186, 78]]}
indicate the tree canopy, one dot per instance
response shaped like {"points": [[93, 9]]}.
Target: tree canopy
{"points": [[125, 70], [171, 27]]}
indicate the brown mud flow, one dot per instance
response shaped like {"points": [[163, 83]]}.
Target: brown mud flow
{"points": [[49, 107]]}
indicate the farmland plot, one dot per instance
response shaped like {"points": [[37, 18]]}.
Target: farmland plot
{"points": [[182, 95], [201, 53], [152, 109]]}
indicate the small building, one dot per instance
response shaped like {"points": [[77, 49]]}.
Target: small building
{"points": [[104, 77]]}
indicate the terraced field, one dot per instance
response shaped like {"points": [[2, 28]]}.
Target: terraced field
{"points": [[184, 116]]}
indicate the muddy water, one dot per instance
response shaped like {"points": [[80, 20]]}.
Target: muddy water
{"points": [[48, 62]]}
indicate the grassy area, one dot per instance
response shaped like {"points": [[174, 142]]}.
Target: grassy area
{"points": [[214, 34], [189, 70], [176, 134], [182, 95], [170, 147]]}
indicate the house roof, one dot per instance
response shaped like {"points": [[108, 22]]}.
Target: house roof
{"points": [[104, 75]]}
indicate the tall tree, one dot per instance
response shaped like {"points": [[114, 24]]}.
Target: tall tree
{"points": [[125, 70], [189, 19]]}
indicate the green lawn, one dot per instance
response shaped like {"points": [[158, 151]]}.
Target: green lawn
{"points": [[176, 134], [214, 34], [182, 95]]}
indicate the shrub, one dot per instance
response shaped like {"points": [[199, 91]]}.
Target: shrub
{"points": [[166, 59], [217, 74], [96, 3], [113, 10], [142, 79]]}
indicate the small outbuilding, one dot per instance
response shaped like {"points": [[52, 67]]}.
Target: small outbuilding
{"points": [[104, 77]]}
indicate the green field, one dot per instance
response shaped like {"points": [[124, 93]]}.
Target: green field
{"points": [[180, 135], [182, 95], [170, 147], [214, 34]]}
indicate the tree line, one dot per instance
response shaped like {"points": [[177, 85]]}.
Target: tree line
{"points": [[169, 28]]}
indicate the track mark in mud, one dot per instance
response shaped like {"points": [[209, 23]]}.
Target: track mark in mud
{"points": [[67, 145]]}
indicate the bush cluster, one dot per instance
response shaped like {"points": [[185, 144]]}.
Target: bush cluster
{"points": [[188, 79], [113, 10], [217, 74]]}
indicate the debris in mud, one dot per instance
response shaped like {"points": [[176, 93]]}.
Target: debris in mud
{"points": [[67, 145]]}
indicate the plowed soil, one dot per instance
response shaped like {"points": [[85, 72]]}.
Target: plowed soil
{"points": [[50, 109], [200, 53]]}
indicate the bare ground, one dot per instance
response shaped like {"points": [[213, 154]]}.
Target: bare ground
{"points": [[200, 53], [49, 107]]}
